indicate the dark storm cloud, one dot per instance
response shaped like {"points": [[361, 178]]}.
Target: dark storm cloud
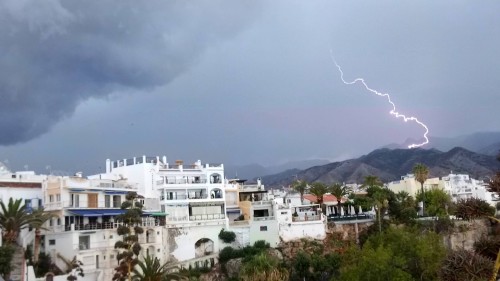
{"points": [[57, 54]]}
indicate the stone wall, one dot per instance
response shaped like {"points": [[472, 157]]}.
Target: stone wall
{"points": [[465, 233]]}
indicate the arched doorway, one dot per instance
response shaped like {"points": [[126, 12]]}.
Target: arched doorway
{"points": [[215, 178], [203, 247], [216, 193]]}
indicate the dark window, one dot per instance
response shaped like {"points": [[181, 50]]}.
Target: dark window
{"points": [[107, 201], [117, 201], [263, 228], [52, 241]]}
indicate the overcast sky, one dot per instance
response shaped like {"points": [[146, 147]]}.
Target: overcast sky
{"points": [[238, 81]]}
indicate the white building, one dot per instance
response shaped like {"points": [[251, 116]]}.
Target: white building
{"points": [[84, 224], [461, 186], [458, 186], [252, 213], [409, 184], [25, 185], [192, 196]]}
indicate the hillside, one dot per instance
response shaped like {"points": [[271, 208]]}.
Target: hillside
{"points": [[391, 164]]}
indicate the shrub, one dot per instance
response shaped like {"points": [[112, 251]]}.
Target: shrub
{"points": [[473, 208], [462, 265], [227, 236]]}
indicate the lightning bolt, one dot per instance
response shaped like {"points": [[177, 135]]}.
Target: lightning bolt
{"points": [[393, 112]]}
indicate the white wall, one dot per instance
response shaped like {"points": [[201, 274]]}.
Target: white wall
{"points": [[298, 230], [181, 240]]}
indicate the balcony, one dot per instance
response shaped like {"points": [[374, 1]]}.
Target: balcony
{"points": [[104, 225], [262, 203], [207, 217], [306, 218], [269, 218], [181, 181]]}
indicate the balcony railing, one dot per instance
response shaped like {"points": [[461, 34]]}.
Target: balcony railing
{"points": [[181, 181], [207, 217], [306, 218], [263, 202], [184, 197], [101, 204], [106, 225], [269, 218]]}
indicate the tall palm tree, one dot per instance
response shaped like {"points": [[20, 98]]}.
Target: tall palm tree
{"points": [[381, 202], [318, 189], [421, 173], [13, 218], [371, 181], [39, 217], [339, 191], [300, 187]]}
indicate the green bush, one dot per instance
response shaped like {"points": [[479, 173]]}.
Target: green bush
{"points": [[227, 236]]}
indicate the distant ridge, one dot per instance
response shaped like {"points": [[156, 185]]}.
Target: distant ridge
{"points": [[481, 142], [391, 164]]}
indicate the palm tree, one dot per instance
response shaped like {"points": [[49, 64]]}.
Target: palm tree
{"points": [[39, 218], [339, 191], [13, 218], [371, 181], [150, 269], [318, 189], [300, 187], [381, 202], [263, 268], [421, 173]]}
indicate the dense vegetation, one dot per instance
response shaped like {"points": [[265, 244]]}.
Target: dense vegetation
{"points": [[398, 246]]}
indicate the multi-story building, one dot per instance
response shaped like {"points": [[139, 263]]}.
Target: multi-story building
{"points": [[193, 196], [252, 213], [461, 186], [85, 222], [409, 184]]}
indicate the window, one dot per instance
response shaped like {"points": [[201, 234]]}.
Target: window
{"points": [[51, 198], [58, 221], [84, 242], [117, 201], [263, 228], [107, 201], [58, 197], [75, 200], [52, 241], [50, 222]]}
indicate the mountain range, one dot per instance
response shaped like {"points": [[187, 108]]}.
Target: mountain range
{"points": [[391, 164]]}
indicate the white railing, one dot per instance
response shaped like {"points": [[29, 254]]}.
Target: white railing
{"points": [[306, 218], [269, 218], [207, 217], [263, 202]]}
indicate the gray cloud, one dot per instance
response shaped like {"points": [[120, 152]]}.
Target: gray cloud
{"points": [[57, 54]]}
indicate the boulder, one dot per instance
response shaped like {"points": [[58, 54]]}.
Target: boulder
{"points": [[233, 267]]}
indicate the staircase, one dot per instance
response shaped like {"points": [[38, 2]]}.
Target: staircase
{"points": [[17, 264]]}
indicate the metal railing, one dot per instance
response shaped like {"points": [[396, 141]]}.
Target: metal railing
{"points": [[106, 225]]}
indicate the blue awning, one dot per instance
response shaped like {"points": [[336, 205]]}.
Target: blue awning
{"points": [[97, 212], [115, 192]]}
